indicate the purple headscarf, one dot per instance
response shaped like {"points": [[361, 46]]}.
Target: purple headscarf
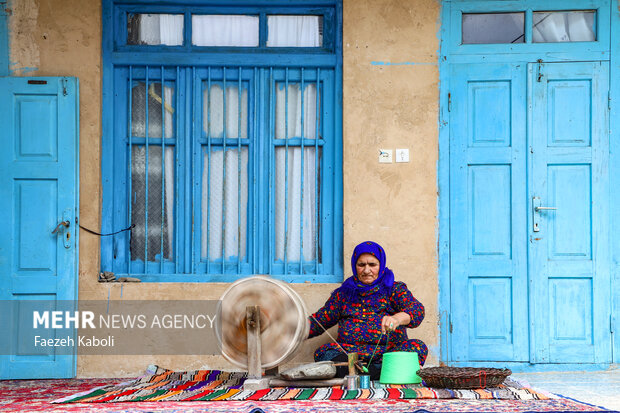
{"points": [[352, 287]]}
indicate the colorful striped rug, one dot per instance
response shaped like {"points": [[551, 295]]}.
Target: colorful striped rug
{"points": [[216, 385]]}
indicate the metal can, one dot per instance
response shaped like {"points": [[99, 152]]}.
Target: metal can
{"points": [[364, 381], [351, 382]]}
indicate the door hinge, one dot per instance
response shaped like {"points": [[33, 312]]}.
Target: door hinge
{"points": [[450, 323], [611, 323], [609, 100], [540, 75], [449, 102], [64, 86]]}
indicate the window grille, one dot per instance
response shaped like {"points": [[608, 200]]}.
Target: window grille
{"points": [[224, 169]]}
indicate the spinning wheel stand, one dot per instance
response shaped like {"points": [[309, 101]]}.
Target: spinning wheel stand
{"points": [[263, 323], [255, 380]]}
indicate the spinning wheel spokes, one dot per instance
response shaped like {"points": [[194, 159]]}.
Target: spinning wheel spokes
{"points": [[283, 324]]}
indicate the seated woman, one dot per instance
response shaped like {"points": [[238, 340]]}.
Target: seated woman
{"points": [[366, 307]]}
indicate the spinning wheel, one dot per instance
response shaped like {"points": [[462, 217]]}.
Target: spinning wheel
{"points": [[283, 323]]}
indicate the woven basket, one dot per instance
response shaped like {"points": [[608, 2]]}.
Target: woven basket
{"points": [[463, 377]]}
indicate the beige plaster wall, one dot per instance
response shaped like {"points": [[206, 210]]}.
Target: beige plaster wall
{"points": [[389, 105], [391, 95]]}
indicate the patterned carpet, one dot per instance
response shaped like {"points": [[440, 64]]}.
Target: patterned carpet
{"points": [[215, 385], [37, 396]]}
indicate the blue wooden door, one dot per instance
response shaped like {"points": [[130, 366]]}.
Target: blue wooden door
{"points": [[529, 213], [38, 190], [569, 245], [487, 212]]}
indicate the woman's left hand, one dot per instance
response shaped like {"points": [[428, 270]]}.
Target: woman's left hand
{"points": [[389, 323]]}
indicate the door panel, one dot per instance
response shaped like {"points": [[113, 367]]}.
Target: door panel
{"points": [[570, 229], [569, 266], [569, 112], [488, 260], [35, 212], [38, 189], [36, 141]]}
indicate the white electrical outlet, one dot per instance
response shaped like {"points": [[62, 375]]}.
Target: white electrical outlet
{"points": [[402, 155], [385, 156]]}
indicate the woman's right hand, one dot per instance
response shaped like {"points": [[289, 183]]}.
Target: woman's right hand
{"points": [[391, 322]]}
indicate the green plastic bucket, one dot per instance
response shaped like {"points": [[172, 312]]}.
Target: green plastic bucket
{"points": [[400, 367]]}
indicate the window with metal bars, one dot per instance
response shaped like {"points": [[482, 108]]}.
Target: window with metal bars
{"points": [[222, 140]]}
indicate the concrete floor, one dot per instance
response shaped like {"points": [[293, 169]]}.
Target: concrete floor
{"points": [[600, 388]]}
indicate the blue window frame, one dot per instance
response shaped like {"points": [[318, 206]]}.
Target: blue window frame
{"points": [[527, 42], [225, 160]]}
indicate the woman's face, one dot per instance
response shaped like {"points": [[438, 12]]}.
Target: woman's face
{"points": [[367, 267]]}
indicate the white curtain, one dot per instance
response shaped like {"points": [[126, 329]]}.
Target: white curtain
{"points": [[166, 29], [213, 111], [300, 203], [293, 31], [224, 204], [563, 27], [224, 30], [290, 196], [140, 97], [224, 212]]}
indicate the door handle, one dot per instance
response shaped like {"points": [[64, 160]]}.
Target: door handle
{"points": [[536, 213], [62, 227], [63, 224]]}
